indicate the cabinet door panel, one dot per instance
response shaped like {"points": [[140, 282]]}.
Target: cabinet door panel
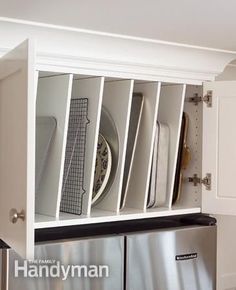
{"points": [[17, 147], [219, 148]]}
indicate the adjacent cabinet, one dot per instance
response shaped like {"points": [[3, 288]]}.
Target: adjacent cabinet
{"points": [[27, 91]]}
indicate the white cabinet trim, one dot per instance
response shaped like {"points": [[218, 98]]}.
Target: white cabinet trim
{"points": [[66, 49]]}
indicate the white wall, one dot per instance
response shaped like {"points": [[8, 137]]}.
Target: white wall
{"points": [[229, 74], [206, 23]]}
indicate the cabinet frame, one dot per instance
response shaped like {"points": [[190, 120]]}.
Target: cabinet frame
{"points": [[25, 248]]}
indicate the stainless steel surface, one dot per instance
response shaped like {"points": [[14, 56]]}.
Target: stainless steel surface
{"points": [[206, 99], [97, 251], [206, 181], [0, 267], [15, 215], [174, 259], [4, 269], [162, 165]]}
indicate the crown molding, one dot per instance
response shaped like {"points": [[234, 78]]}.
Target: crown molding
{"points": [[66, 49]]}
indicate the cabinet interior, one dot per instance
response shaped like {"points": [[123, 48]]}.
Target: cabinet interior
{"points": [[161, 101], [191, 195]]}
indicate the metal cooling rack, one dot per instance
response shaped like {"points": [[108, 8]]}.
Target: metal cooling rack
{"points": [[73, 178]]}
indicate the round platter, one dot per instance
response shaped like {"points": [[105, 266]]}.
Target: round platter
{"points": [[109, 131], [102, 169]]}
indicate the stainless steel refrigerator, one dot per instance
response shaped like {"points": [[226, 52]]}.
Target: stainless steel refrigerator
{"points": [[181, 258], [173, 259], [102, 251]]}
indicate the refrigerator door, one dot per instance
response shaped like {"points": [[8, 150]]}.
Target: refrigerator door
{"points": [[179, 259], [106, 251], [1, 267]]}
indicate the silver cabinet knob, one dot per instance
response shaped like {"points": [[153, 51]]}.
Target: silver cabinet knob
{"points": [[15, 215]]}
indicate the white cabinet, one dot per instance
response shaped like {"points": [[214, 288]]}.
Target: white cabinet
{"points": [[29, 89], [57, 105], [219, 143], [17, 142]]}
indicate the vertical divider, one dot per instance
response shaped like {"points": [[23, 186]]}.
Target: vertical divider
{"points": [[53, 99], [140, 175], [170, 112], [117, 99], [92, 89]]}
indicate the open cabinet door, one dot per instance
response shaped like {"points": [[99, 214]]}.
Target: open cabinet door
{"points": [[219, 148], [17, 149]]}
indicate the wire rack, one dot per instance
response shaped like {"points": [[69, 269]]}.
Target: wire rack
{"points": [[73, 178]]}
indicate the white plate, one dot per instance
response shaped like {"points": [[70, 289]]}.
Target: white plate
{"points": [[109, 132], [102, 169]]}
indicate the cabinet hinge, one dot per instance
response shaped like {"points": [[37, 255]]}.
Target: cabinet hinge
{"points": [[206, 99], [205, 181]]}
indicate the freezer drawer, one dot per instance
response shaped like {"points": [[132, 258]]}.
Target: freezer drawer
{"points": [[108, 251], [173, 259]]}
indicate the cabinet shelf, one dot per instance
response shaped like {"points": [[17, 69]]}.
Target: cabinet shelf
{"points": [[163, 102], [101, 216]]}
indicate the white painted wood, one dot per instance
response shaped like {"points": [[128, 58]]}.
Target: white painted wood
{"points": [[101, 216], [191, 195], [91, 88], [170, 112], [139, 180], [53, 99], [17, 147], [117, 99], [66, 50], [219, 154], [226, 254], [229, 74]]}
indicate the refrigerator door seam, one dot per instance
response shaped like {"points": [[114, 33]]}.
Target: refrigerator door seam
{"points": [[5, 269]]}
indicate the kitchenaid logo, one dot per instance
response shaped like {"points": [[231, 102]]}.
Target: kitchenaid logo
{"points": [[55, 269], [186, 257]]}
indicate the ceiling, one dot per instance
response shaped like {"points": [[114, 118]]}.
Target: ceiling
{"points": [[209, 23]]}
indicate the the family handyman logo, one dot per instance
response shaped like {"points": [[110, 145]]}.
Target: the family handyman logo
{"points": [[55, 269]]}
